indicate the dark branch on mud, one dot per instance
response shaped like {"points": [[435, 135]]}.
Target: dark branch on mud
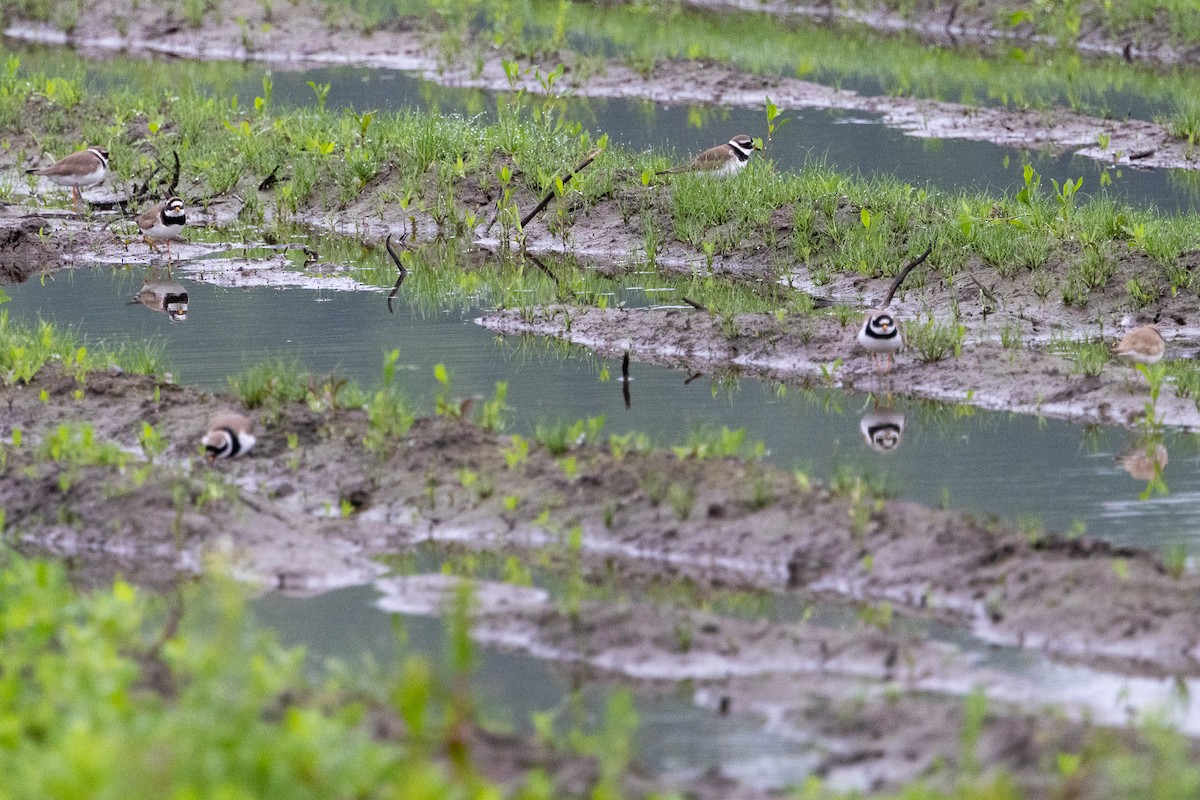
{"points": [[694, 304], [387, 243], [170, 628], [904, 274], [269, 181], [566, 179]]}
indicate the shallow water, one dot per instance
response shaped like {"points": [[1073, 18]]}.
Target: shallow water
{"points": [[1040, 473], [674, 737]]}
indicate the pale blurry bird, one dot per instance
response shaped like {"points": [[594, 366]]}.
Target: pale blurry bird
{"points": [[229, 435], [1144, 462], [84, 168], [1142, 345]]}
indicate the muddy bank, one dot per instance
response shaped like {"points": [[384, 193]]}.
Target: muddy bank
{"points": [[808, 350], [301, 39], [310, 516], [1025, 378], [832, 693], [979, 23], [25, 248]]}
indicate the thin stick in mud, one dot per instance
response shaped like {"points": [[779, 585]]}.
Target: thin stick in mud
{"points": [[566, 179], [904, 274]]}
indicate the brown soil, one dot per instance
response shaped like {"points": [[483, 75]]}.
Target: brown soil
{"points": [[283, 522], [23, 250]]}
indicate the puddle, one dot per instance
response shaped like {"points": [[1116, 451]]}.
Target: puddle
{"points": [[675, 737], [1055, 475], [681, 735]]}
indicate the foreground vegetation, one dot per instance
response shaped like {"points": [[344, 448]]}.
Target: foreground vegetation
{"points": [[116, 694]]}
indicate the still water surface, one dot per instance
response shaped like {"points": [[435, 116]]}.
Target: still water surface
{"points": [[674, 736]]}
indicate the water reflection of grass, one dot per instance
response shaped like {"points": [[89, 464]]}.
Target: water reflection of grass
{"points": [[841, 55]]}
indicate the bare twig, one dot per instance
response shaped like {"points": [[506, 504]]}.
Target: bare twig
{"points": [[270, 180], [566, 179], [141, 193], [904, 274], [542, 266], [174, 184], [694, 304]]}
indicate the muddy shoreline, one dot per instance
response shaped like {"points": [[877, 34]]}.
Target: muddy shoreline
{"points": [[1062, 597], [808, 349], [806, 352], [311, 509]]}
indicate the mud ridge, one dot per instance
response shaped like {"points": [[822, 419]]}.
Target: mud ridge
{"points": [[825, 689], [311, 517], [808, 351]]}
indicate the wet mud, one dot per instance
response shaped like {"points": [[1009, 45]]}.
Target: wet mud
{"points": [[312, 516], [820, 351], [25, 248], [312, 508]]}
